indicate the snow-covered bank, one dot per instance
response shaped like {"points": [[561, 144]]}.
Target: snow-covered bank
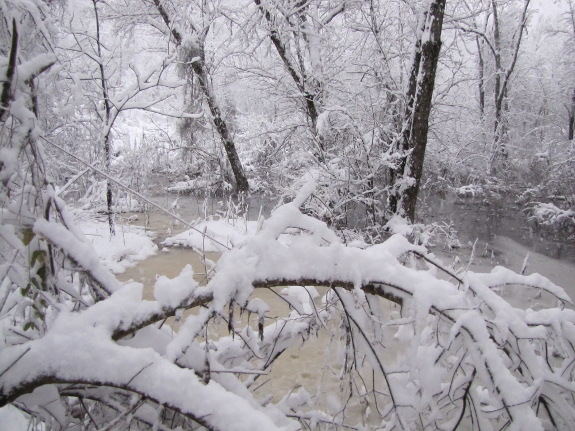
{"points": [[214, 235], [129, 246]]}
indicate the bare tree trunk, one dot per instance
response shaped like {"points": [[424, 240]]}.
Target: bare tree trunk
{"points": [[6, 96], [221, 126], [198, 67], [413, 140], [502, 78], [572, 118], [571, 122], [305, 82], [499, 150], [107, 125], [481, 78]]}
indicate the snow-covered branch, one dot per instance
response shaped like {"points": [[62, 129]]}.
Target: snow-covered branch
{"points": [[504, 366]]}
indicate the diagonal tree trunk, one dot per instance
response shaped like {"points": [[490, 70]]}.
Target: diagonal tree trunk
{"points": [[305, 80], [198, 67]]}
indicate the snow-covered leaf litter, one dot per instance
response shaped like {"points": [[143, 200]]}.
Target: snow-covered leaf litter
{"points": [[467, 352]]}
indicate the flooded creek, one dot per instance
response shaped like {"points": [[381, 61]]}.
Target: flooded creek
{"points": [[316, 365], [486, 220]]}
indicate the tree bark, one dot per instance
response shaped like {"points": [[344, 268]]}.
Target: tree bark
{"points": [[306, 84], [413, 139], [199, 68], [6, 95], [572, 118], [221, 126], [481, 78], [107, 125], [499, 150]]}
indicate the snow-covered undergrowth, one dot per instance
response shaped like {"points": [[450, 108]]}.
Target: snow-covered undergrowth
{"points": [[428, 235], [200, 185], [469, 190], [94, 200], [469, 358], [550, 216]]}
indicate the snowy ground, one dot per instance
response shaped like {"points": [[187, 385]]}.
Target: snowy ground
{"points": [[129, 246]]}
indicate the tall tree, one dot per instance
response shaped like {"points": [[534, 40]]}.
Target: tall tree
{"points": [[502, 82], [195, 57], [496, 70], [570, 20], [105, 134], [295, 36], [412, 141], [571, 121]]}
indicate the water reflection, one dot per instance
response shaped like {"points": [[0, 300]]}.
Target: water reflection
{"points": [[471, 218], [475, 218]]}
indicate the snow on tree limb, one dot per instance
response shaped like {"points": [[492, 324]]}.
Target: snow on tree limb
{"points": [[504, 367]]}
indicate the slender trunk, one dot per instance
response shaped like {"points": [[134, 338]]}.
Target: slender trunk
{"points": [[222, 128], [107, 111], [498, 144], [242, 185], [198, 67], [481, 79], [502, 78], [309, 89], [413, 140], [572, 118], [404, 140], [6, 96]]}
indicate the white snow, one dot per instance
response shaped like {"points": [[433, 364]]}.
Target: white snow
{"points": [[173, 291], [470, 190], [13, 419], [129, 246], [476, 324], [550, 215], [224, 232]]}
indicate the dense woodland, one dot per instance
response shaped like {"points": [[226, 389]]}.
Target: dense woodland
{"points": [[334, 106], [225, 96]]}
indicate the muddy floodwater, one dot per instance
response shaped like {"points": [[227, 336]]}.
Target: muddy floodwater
{"points": [[314, 364], [500, 236]]}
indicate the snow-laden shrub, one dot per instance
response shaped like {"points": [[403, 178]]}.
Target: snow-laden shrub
{"points": [[551, 217], [551, 174], [470, 190], [94, 199]]}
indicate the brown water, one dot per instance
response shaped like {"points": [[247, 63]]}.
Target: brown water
{"points": [[316, 365], [471, 219]]}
